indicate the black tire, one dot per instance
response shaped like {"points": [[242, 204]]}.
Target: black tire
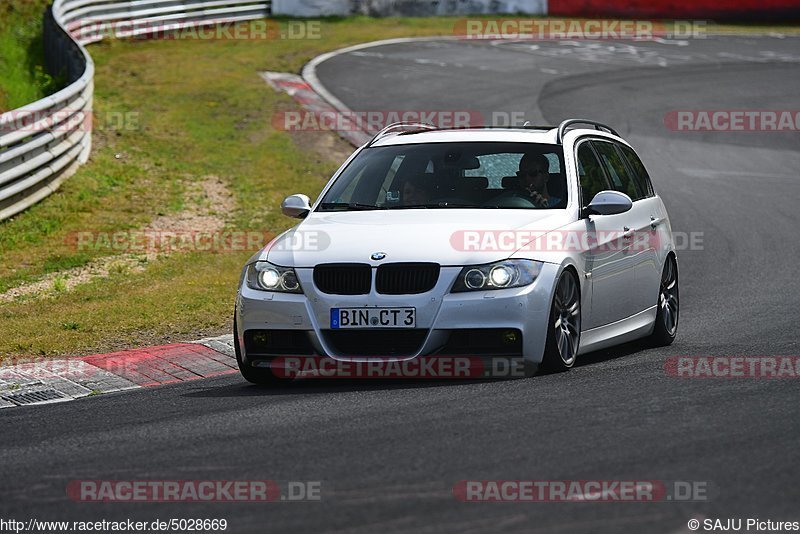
{"points": [[263, 377], [666, 326], [564, 326]]}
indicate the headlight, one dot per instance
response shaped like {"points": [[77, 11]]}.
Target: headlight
{"points": [[499, 275], [267, 277]]}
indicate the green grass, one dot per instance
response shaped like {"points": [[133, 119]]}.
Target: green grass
{"points": [[23, 79], [200, 109]]}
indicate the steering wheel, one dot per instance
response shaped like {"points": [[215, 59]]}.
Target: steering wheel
{"points": [[513, 199]]}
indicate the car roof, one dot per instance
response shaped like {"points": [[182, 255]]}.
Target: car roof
{"points": [[461, 135]]}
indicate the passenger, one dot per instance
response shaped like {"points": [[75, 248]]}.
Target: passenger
{"points": [[418, 190]]}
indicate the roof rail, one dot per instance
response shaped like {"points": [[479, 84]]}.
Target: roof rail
{"points": [[562, 128], [404, 126], [529, 126], [526, 126]]}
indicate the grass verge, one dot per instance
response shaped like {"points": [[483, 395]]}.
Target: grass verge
{"points": [[187, 110]]}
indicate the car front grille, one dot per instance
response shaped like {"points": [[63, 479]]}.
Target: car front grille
{"points": [[367, 343], [390, 279], [406, 278], [343, 278]]}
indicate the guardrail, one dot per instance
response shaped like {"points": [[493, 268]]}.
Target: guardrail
{"points": [[42, 144]]}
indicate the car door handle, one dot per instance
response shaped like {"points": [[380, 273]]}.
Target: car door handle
{"points": [[655, 222], [628, 233]]}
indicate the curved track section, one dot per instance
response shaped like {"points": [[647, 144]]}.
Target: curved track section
{"points": [[389, 454], [735, 191]]}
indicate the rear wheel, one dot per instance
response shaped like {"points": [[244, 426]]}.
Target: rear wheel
{"points": [[564, 329], [667, 315], [264, 377]]}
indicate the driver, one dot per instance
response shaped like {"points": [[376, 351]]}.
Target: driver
{"points": [[533, 174]]}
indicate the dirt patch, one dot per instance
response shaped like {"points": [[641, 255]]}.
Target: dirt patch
{"points": [[207, 202], [206, 205], [60, 282]]}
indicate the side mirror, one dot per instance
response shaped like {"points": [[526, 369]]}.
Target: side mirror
{"points": [[297, 206], [609, 203]]}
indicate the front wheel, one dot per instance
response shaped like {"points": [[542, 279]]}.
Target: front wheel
{"points": [[667, 315], [564, 329]]}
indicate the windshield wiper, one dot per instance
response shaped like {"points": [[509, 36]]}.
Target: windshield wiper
{"points": [[433, 205], [437, 205], [347, 206], [456, 205]]}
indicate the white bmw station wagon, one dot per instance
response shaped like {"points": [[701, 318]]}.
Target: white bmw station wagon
{"points": [[535, 243]]}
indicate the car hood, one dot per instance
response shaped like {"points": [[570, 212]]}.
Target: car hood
{"points": [[444, 236]]}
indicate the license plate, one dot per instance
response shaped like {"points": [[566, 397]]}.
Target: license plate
{"points": [[373, 317]]}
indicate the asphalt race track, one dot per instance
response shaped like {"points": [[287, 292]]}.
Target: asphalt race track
{"points": [[389, 454]]}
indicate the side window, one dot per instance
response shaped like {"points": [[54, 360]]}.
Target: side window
{"points": [[639, 172], [621, 180], [590, 173]]}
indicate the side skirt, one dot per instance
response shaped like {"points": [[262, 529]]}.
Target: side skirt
{"points": [[634, 327]]}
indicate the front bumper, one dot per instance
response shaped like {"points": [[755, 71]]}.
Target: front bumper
{"points": [[439, 314]]}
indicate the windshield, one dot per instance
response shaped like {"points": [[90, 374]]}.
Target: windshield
{"points": [[452, 175]]}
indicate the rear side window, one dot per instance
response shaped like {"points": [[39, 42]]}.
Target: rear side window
{"points": [[494, 167], [639, 172], [621, 180], [590, 173]]}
